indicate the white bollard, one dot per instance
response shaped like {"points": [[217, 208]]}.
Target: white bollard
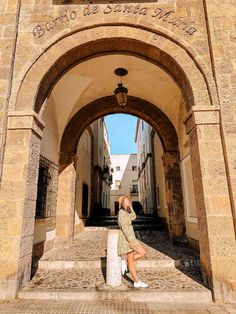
{"points": [[113, 271]]}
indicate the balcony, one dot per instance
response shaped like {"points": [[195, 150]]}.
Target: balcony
{"points": [[106, 170], [106, 175], [110, 180]]}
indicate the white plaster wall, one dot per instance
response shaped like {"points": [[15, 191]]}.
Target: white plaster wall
{"points": [[83, 172], [40, 233], [160, 177], [50, 140], [189, 198], [106, 188], [143, 141], [125, 175]]}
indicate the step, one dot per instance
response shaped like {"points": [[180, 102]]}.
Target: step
{"points": [[169, 285], [110, 223], [108, 218], [91, 229], [139, 295], [115, 218], [115, 222], [136, 227], [142, 264]]}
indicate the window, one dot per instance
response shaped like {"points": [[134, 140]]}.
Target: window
{"points": [[85, 199], [134, 168], [103, 199], [144, 177], [43, 181], [117, 168], [158, 197], [116, 204], [134, 186], [147, 177], [106, 203], [87, 143], [117, 184]]}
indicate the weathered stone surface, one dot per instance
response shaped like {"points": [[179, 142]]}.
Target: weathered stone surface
{"points": [[65, 206], [194, 43]]}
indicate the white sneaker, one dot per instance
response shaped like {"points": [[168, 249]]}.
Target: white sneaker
{"points": [[124, 268], [140, 284]]}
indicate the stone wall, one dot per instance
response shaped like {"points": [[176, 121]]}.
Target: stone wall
{"points": [[222, 42], [9, 23], [44, 231], [194, 41]]}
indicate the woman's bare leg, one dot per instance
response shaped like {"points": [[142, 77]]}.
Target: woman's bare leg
{"points": [[139, 253], [132, 270]]}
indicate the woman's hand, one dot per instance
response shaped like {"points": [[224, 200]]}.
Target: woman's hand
{"points": [[131, 244], [131, 207]]}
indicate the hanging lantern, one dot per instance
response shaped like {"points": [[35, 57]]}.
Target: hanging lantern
{"points": [[121, 92]]}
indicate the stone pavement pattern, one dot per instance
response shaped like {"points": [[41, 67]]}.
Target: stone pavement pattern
{"points": [[91, 245], [107, 307], [170, 278], [79, 272]]}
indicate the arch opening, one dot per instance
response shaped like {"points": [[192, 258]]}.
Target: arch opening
{"points": [[83, 113], [104, 47]]}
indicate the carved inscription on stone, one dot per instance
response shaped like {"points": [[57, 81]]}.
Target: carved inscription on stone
{"points": [[160, 15], [61, 2]]}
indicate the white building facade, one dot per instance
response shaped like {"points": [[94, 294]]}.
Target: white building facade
{"points": [[146, 176], [94, 178], [106, 166], [125, 177], [152, 183]]}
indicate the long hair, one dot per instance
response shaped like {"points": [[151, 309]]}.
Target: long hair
{"points": [[121, 203]]}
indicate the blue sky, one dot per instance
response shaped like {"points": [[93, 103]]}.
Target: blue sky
{"points": [[121, 131]]}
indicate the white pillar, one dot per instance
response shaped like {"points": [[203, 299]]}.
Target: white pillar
{"points": [[113, 271]]}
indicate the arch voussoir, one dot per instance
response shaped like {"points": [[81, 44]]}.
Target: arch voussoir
{"points": [[85, 44]]}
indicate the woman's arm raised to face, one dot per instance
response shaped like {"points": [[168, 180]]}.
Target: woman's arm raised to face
{"points": [[126, 227], [132, 214]]}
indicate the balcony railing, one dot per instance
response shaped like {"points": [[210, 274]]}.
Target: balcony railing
{"points": [[110, 180]]}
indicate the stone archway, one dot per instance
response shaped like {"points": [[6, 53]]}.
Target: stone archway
{"points": [[159, 121], [108, 105], [202, 124], [188, 72]]}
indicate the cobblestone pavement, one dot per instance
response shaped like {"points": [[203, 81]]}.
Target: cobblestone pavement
{"points": [[90, 279], [108, 307], [158, 246], [91, 245]]}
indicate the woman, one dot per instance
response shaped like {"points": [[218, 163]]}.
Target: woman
{"points": [[128, 244]]}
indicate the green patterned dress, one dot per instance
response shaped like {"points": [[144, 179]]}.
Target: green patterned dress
{"points": [[126, 232]]}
